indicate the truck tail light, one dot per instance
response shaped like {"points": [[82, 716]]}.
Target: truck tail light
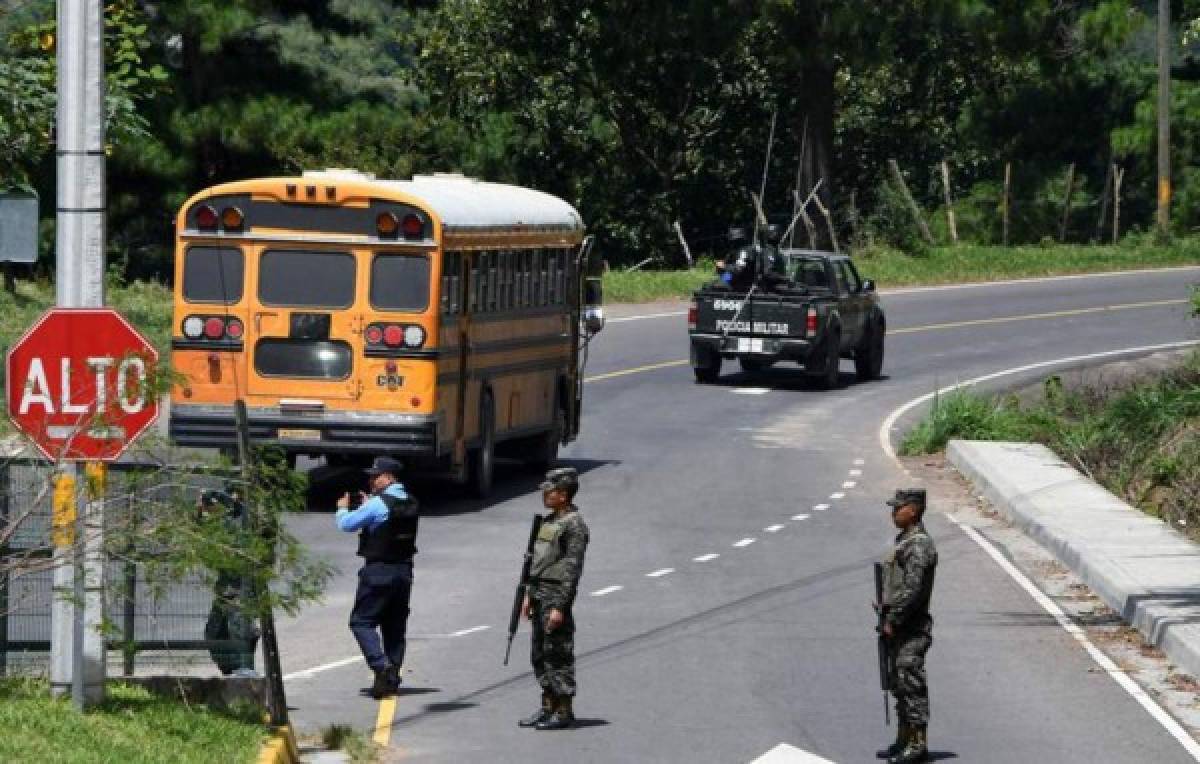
{"points": [[810, 323], [692, 316]]}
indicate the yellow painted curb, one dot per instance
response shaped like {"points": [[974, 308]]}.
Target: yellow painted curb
{"points": [[280, 748]]}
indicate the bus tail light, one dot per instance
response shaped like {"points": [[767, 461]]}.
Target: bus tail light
{"points": [[390, 367], [393, 336], [374, 335], [692, 316], [810, 323], [234, 329], [214, 328], [206, 218], [413, 227]]}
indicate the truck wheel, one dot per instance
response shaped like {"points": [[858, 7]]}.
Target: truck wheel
{"points": [[706, 365], [868, 361], [828, 373], [754, 364], [483, 458]]}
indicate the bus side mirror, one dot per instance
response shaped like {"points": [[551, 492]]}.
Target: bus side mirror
{"points": [[593, 305]]}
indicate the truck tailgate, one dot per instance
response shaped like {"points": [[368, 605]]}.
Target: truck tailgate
{"points": [[761, 316]]}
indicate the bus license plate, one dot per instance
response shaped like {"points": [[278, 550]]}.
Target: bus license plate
{"points": [[750, 345], [295, 434]]}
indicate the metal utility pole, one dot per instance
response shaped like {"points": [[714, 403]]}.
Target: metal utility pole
{"points": [[77, 654], [1163, 217]]}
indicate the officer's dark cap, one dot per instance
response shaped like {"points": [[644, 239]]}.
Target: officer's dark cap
{"points": [[562, 477], [385, 464], [908, 496]]}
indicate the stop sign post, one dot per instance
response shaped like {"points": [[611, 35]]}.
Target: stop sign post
{"points": [[77, 384]]}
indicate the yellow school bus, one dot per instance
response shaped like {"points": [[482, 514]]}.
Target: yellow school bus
{"points": [[440, 320]]}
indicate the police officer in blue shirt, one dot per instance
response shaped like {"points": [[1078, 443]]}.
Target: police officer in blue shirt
{"points": [[386, 522]]}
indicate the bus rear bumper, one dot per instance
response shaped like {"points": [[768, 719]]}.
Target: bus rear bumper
{"points": [[329, 432]]}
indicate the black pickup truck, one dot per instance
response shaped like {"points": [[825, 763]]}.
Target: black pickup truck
{"points": [[821, 312]]}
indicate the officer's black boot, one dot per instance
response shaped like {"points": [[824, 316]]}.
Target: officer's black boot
{"points": [[915, 751], [563, 717], [542, 714], [387, 681], [902, 733]]}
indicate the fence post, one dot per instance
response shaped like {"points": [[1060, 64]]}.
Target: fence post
{"points": [[949, 201], [1004, 200], [5, 513], [276, 699], [1066, 219], [129, 620], [902, 187]]}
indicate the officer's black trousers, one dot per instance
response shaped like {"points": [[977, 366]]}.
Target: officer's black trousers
{"points": [[381, 606]]}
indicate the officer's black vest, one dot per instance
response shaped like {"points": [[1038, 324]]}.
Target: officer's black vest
{"points": [[396, 539]]}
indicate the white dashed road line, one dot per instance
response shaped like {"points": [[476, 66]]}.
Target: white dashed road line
{"points": [[660, 573], [849, 484], [744, 542], [855, 473], [705, 557], [606, 591], [773, 528], [820, 507], [799, 517], [308, 673], [471, 630], [838, 495], [860, 462]]}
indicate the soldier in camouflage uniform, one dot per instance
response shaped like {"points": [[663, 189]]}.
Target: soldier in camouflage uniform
{"points": [[553, 578], [908, 583]]}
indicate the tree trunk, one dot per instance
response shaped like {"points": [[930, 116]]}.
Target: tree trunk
{"points": [[1004, 200], [817, 80], [1066, 219], [1108, 177], [902, 187], [949, 201]]}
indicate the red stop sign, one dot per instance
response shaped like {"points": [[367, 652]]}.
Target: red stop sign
{"points": [[77, 384]]}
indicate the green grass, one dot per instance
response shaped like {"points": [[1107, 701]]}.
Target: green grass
{"points": [[890, 268], [131, 726], [1141, 442]]}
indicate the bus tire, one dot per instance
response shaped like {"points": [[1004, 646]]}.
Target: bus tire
{"points": [[483, 458], [544, 453]]}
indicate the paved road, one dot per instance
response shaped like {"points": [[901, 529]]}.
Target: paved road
{"points": [[757, 502]]}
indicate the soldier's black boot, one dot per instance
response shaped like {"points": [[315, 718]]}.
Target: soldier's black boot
{"points": [[387, 681], [562, 719], [542, 714], [902, 733], [915, 751]]}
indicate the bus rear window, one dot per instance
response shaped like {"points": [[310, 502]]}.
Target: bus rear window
{"points": [[303, 359], [307, 279], [213, 274], [400, 283]]}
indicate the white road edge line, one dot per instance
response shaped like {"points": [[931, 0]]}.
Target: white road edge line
{"points": [[744, 542], [1118, 675], [660, 573], [606, 591], [884, 429], [308, 673], [705, 557]]}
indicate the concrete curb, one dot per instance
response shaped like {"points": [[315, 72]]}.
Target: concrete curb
{"points": [[280, 748], [1138, 566]]}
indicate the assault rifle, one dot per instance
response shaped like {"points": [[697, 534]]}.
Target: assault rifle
{"points": [[885, 672], [514, 619]]}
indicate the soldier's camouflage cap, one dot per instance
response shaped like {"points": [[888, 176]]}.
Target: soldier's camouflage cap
{"points": [[562, 477], [908, 496]]}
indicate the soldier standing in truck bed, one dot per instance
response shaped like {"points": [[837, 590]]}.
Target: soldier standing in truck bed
{"points": [[553, 579], [908, 584]]}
